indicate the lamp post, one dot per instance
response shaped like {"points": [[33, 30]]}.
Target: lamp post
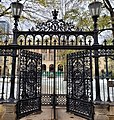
{"points": [[95, 9], [16, 8]]}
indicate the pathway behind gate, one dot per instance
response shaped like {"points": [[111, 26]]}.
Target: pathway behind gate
{"points": [[47, 114]]}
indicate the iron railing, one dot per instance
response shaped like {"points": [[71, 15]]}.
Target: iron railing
{"points": [[5, 84], [48, 88]]}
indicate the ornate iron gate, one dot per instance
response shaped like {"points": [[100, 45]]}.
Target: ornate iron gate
{"points": [[79, 84], [29, 83]]}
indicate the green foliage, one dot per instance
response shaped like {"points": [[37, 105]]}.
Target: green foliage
{"points": [[72, 14], [104, 22], [42, 2], [64, 53], [85, 22]]}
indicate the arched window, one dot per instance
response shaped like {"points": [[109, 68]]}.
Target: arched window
{"points": [[60, 67], [43, 67], [51, 68]]}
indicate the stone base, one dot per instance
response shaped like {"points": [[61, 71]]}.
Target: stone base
{"points": [[111, 117], [101, 111], [101, 117], [111, 111], [9, 116], [10, 112]]}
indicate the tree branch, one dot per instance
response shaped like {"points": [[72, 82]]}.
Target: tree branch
{"points": [[108, 5], [5, 12]]}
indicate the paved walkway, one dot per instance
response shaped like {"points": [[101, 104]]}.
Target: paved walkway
{"points": [[47, 114]]}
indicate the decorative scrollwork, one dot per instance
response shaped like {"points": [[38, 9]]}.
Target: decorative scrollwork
{"points": [[79, 84], [29, 82], [6, 52], [55, 25]]}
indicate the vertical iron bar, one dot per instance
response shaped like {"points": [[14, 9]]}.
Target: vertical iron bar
{"points": [[72, 77], [107, 76], [58, 83], [104, 89], [20, 76], [91, 81], [47, 85], [44, 92], [67, 100], [40, 82], [7, 87], [54, 95], [83, 71], [112, 94]]}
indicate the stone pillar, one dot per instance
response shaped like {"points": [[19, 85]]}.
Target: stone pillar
{"points": [[111, 111], [9, 112], [101, 111]]}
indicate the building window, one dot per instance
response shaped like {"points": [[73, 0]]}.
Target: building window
{"points": [[51, 68], [43, 67], [60, 67]]}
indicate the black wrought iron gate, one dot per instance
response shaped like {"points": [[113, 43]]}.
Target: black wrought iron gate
{"points": [[79, 84], [29, 83], [56, 34]]}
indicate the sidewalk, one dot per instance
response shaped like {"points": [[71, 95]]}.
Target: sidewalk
{"points": [[47, 114]]}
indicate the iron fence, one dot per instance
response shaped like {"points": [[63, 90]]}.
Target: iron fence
{"points": [[107, 90], [5, 84], [47, 86]]}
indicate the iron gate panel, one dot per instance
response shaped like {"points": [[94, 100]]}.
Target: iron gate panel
{"points": [[29, 83], [79, 84]]}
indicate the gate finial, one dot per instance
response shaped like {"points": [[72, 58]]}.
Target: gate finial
{"points": [[55, 14]]}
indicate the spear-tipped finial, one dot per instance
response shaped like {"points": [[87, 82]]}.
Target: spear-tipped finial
{"points": [[55, 14]]}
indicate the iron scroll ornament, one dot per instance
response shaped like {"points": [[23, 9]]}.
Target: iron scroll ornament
{"points": [[55, 24]]}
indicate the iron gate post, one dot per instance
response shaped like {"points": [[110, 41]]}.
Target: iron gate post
{"points": [[98, 97], [11, 98]]}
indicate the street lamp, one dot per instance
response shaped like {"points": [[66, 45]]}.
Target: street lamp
{"points": [[95, 9], [16, 8]]}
